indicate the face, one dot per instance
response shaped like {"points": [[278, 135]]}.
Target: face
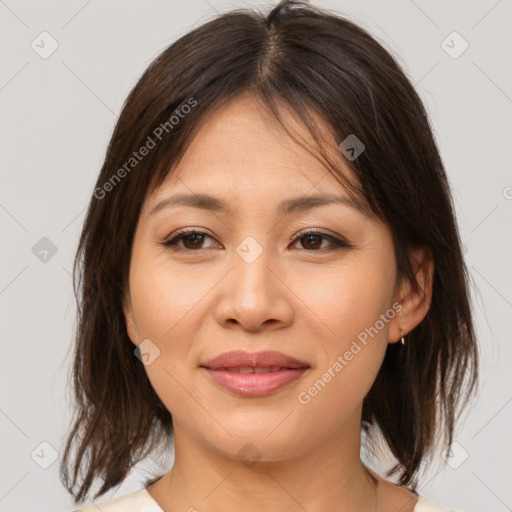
{"points": [[316, 284]]}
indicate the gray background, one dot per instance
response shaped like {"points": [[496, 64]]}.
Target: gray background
{"points": [[57, 117]]}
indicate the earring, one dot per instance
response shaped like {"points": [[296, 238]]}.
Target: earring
{"points": [[402, 339]]}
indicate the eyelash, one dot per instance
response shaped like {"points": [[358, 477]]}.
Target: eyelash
{"points": [[338, 243]]}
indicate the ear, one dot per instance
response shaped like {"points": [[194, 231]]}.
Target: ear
{"points": [[131, 327], [415, 303]]}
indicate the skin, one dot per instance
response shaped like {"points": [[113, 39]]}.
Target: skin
{"points": [[306, 298]]}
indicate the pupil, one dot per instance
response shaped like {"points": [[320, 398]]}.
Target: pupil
{"points": [[193, 236], [309, 237]]}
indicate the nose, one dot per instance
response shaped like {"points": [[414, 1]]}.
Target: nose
{"points": [[254, 294]]}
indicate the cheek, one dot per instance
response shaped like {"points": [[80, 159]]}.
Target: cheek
{"points": [[353, 303], [162, 298], [350, 299], [162, 303]]}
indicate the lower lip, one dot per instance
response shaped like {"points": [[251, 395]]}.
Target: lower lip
{"points": [[256, 384]]}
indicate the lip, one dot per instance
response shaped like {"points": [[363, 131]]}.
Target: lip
{"points": [[239, 358], [225, 371]]}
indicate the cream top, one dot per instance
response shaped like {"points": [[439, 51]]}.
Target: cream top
{"points": [[141, 501]]}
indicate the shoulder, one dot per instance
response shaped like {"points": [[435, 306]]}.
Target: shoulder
{"points": [[138, 501], [425, 505]]}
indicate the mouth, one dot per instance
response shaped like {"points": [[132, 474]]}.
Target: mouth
{"points": [[252, 369], [254, 374]]}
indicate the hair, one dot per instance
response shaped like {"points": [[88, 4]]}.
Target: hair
{"points": [[311, 61]]}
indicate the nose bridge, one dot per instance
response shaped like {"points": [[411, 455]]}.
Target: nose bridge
{"points": [[253, 295], [251, 273]]}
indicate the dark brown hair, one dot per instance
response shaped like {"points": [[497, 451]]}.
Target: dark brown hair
{"points": [[311, 61]]}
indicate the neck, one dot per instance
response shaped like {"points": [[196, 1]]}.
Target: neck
{"points": [[329, 476]]}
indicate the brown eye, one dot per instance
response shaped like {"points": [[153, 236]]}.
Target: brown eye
{"points": [[192, 240], [312, 240]]}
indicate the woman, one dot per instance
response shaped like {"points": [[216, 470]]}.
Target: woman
{"points": [[270, 268]]}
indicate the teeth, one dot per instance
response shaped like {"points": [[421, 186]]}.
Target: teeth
{"points": [[250, 369], [262, 369]]}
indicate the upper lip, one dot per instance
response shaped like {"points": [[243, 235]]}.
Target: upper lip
{"points": [[239, 358]]}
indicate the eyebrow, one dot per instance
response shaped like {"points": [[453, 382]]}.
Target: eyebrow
{"points": [[292, 205]]}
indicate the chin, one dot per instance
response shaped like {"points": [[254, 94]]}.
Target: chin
{"points": [[251, 443]]}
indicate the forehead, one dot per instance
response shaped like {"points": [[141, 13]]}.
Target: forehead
{"points": [[241, 150]]}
